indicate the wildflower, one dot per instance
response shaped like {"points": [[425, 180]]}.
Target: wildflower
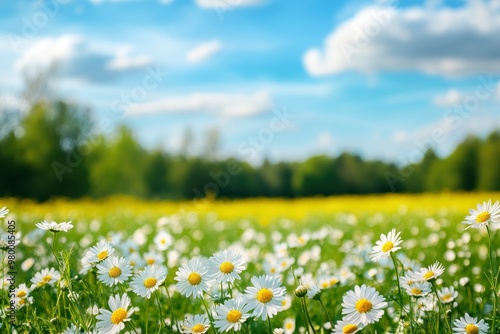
{"points": [[192, 278], [363, 305], [55, 227], [197, 324], [231, 315], [163, 240], [470, 325], [3, 212], [417, 289], [301, 291], [447, 295], [153, 257], [431, 272], [225, 266], [347, 327], [485, 214], [113, 321], [386, 245], [99, 252], [46, 276], [149, 280], [114, 270], [265, 296], [289, 325], [314, 292]]}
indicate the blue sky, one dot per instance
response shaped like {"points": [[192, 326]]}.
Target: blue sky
{"points": [[377, 78]]}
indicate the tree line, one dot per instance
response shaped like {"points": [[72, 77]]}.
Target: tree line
{"points": [[55, 149]]}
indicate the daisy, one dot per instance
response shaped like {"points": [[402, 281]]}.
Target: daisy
{"points": [[55, 227], [386, 245], [114, 270], [417, 289], [485, 213], [363, 305], [410, 278], [195, 324], [163, 240], [153, 257], [231, 315], [470, 325], [99, 252], [72, 329], [113, 321], [3, 212], [192, 278], [286, 303], [149, 280], [314, 292], [347, 327], [265, 296], [431, 272], [46, 276], [447, 295], [289, 325], [225, 266]]}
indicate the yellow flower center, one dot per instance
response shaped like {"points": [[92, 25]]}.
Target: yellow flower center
{"points": [[264, 295], [483, 217], [416, 291], [283, 302], [325, 285], [447, 297], [114, 272], [428, 274], [46, 279], [233, 316], [150, 282], [350, 328], [226, 267], [102, 255], [194, 278], [22, 301], [363, 305], [21, 294], [198, 328], [471, 329], [118, 315], [150, 261], [387, 246], [163, 241]]}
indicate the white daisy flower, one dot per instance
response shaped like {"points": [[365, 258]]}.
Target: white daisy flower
{"points": [[347, 327], [231, 315], [265, 297], [431, 272], [418, 288], [113, 321], [386, 245], [149, 280], [99, 252], [22, 291], [470, 325], [192, 279], [286, 303], [195, 324], [72, 329], [3, 212], [363, 305], [114, 270], [410, 278], [289, 325], [485, 214], [55, 227], [225, 266], [163, 240], [46, 276], [447, 295], [153, 257]]}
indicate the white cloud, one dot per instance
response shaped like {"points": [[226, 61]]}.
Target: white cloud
{"points": [[449, 99], [227, 4], [203, 51], [222, 104], [431, 39], [74, 56], [324, 140]]}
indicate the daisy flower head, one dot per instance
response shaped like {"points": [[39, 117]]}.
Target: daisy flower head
{"points": [[418, 289], [163, 240], [265, 297], [46, 276], [386, 245], [431, 272], [231, 315], [55, 227], [149, 280], [485, 214], [363, 305], [226, 266], [114, 270], [447, 295], [113, 321], [153, 257], [3, 212], [470, 325], [289, 325], [99, 252], [347, 327], [192, 278], [195, 324]]}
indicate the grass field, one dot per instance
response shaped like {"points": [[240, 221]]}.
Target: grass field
{"points": [[320, 244]]}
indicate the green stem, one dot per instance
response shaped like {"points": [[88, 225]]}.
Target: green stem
{"points": [[147, 314], [494, 280], [159, 310], [440, 306], [326, 312], [171, 310], [307, 315], [399, 287], [270, 325], [209, 315]]}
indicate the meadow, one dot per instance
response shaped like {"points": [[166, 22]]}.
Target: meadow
{"points": [[125, 265]]}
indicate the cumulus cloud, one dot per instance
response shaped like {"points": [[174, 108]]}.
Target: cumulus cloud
{"points": [[224, 4], [221, 104], [203, 51], [449, 99], [76, 57], [431, 39]]}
